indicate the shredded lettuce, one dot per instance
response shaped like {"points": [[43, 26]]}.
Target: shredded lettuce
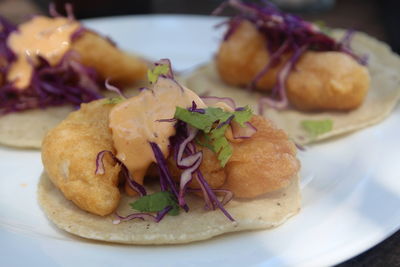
{"points": [[317, 127], [214, 122], [156, 202]]}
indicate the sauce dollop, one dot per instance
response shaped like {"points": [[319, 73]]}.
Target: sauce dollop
{"points": [[49, 38], [135, 122]]}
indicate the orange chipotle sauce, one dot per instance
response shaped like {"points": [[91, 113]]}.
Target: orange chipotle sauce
{"points": [[49, 38], [134, 123]]}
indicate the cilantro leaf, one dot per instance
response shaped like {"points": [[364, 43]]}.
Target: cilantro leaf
{"points": [[200, 121], [242, 116], [158, 70], [217, 114], [214, 135], [317, 127], [206, 143], [221, 145], [114, 100], [156, 202], [194, 119]]}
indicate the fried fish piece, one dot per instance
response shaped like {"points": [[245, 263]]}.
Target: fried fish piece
{"points": [[327, 81], [109, 61], [69, 154], [264, 163], [243, 56], [319, 80]]}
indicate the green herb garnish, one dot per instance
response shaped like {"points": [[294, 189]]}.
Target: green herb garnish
{"points": [[158, 70], [317, 127], [206, 142], [156, 202], [221, 145], [114, 100], [212, 123]]}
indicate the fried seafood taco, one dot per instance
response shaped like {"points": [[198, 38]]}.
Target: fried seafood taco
{"points": [[48, 67], [167, 167], [309, 81]]}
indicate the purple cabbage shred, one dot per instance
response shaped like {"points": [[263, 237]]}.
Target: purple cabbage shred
{"points": [[124, 171], [188, 160], [68, 82]]}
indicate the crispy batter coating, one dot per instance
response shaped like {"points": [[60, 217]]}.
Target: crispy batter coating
{"points": [[108, 60], [243, 56], [69, 154], [327, 81], [319, 81], [264, 163]]}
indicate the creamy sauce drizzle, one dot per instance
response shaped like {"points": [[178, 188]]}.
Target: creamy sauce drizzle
{"points": [[48, 37], [134, 124]]}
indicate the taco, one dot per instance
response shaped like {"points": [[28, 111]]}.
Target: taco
{"points": [[313, 85], [192, 168], [48, 67]]}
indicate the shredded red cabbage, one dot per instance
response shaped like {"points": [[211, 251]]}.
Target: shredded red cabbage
{"points": [[6, 54], [213, 200], [113, 88], [68, 82], [68, 9], [124, 171], [183, 145], [143, 216], [194, 108], [286, 33]]}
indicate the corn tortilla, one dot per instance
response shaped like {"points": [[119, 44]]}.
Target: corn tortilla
{"points": [[26, 129], [198, 224]]}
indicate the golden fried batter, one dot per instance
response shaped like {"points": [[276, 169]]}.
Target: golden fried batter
{"points": [[319, 81], [243, 56], [108, 60], [69, 154], [327, 81], [264, 163]]}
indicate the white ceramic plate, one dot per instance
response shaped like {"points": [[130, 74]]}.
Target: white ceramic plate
{"points": [[351, 185]]}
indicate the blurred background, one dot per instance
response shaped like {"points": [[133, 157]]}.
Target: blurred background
{"points": [[378, 18]]}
